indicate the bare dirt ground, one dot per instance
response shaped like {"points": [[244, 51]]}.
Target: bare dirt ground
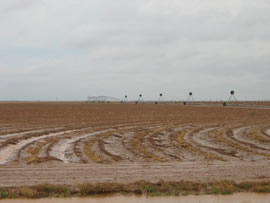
{"points": [[72, 143]]}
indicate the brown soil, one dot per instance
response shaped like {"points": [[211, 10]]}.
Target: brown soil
{"points": [[71, 143]]}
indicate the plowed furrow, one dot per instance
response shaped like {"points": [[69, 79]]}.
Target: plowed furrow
{"points": [[15, 139], [127, 143], [198, 147], [160, 141], [253, 136], [92, 148], [236, 149], [103, 149], [142, 147], [63, 150], [237, 136], [112, 146], [183, 148], [10, 152], [206, 139], [15, 131], [258, 135], [226, 137], [101, 145], [21, 130], [79, 145], [113, 149], [37, 152]]}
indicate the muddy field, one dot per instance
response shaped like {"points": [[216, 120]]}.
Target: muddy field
{"points": [[71, 143]]}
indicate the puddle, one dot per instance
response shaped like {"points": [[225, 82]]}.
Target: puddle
{"points": [[236, 198]]}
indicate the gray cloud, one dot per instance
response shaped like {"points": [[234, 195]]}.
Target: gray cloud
{"points": [[77, 48]]}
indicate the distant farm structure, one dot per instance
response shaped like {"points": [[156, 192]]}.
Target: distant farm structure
{"points": [[102, 99], [231, 101]]}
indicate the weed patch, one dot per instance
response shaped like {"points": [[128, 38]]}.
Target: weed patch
{"points": [[151, 189]]}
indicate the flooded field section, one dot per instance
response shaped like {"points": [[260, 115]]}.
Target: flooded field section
{"points": [[236, 198]]}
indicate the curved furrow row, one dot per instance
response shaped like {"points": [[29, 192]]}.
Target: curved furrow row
{"points": [[143, 148], [111, 145], [11, 151], [236, 135], [30, 153], [12, 138], [242, 150], [201, 148], [205, 139], [181, 147], [92, 150], [37, 152], [103, 145], [257, 133], [14, 130], [97, 148], [115, 145], [234, 148], [82, 147], [250, 136], [157, 141], [64, 150], [53, 148], [165, 142], [11, 132], [127, 142], [19, 137]]}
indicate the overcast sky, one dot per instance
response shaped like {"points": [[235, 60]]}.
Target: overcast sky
{"points": [[78, 48]]}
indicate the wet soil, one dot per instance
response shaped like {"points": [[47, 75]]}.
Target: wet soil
{"points": [[71, 143]]}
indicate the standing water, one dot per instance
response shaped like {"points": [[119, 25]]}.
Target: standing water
{"points": [[236, 198]]}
